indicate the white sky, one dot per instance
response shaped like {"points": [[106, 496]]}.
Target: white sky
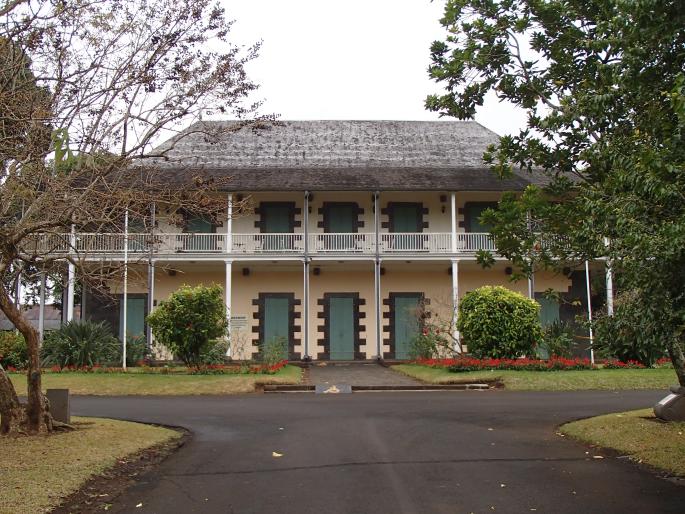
{"points": [[352, 59]]}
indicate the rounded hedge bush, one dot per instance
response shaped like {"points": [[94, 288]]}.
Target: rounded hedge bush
{"points": [[498, 323]]}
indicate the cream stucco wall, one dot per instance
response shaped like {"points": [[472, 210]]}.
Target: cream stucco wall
{"points": [[431, 279], [244, 220]]}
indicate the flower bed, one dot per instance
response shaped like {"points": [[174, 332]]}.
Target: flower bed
{"points": [[205, 369], [470, 364], [613, 364]]}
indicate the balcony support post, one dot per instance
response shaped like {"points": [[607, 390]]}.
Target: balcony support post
{"points": [[228, 290], [531, 284], [41, 308], [455, 305], [453, 198], [229, 224], [124, 313], [151, 276], [377, 275], [71, 276], [305, 284], [589, 310], [609, 283]]}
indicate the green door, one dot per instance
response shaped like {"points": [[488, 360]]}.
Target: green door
{"points": [[199, 225], [276, 219], [276, 322], [549, 311], [406, 219], [341, 328], [473, 212], [340, 219], [406, 309], [135, 317]]}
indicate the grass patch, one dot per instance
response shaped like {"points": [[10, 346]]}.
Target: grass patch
{"points": [[637, 434], [38, 472], [148, 384], [576, 380]]}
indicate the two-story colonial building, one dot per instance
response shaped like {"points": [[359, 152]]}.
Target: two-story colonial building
{"points": [[349, 227]]}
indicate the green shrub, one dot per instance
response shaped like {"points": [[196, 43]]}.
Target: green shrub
{"points": [[215, 353], [274, 351], [189, 321], [499, 323], [136, 350], [13, 351], [428, 344], [634, 333], [81, 343], [557, 339]]}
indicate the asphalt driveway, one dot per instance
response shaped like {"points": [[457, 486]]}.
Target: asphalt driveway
{"points": [[444, 452]]}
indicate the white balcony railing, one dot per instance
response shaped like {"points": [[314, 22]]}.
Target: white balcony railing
{"points": [[342, 243], [427, 243]]}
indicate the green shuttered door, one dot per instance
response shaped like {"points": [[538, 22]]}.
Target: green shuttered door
{"points": [[341, 328], [406, 324], [135, 317], [276, 317]]}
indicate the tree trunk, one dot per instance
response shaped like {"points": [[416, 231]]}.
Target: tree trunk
{"points": [[38, 418], [12, 413], [675, 351]]}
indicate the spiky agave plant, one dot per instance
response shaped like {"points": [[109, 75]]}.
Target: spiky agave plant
{"points": [[81, 343]]}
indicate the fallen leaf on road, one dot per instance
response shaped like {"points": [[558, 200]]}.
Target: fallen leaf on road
{"points": [[276, 454]]}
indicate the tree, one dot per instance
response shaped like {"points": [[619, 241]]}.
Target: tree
{"points": [[603, 85], [87, 88], [190, 321]]}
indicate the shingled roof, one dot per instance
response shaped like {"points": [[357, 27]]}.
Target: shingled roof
{"points": [[339, 156]]}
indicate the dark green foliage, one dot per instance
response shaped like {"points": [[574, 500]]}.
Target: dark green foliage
{"points": [[136, 350], [189, 321], [558, 339], [13, 351], [428, 344], [272, 352], [215, 353], [603, 86], [634, 333], [81, 343], [498, 323]]}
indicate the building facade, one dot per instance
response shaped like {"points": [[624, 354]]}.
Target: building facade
{"points": [[348, 233]]}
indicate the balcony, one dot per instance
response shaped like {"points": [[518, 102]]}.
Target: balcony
{"points": [[93, 245]]}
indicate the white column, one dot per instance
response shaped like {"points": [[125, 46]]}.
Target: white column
{"points": [[609, 283], [150, 299], [228, 289], [455, 304], [454, 222], [531, 285], [71, 276], [124, 324], [41, 308], [377, 276], [305, 309], [589, 310], [229, 224]]}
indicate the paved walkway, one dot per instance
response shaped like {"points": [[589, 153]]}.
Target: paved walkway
{"points": [[405, 453], [357, 374]]}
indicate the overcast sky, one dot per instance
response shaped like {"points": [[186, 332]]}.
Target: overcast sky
{"points": [[352, 59]]}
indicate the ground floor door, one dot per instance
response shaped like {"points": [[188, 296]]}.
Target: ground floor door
{"points": [[136, 307], [406, 322], [276, 322], [341, 327]]}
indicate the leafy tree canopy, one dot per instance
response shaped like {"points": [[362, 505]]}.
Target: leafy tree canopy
{"points": [[603, 86]]}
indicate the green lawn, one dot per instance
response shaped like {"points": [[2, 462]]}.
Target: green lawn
{"points": [[637, 434], [550, 380], [134, 383], [39, 471]]}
